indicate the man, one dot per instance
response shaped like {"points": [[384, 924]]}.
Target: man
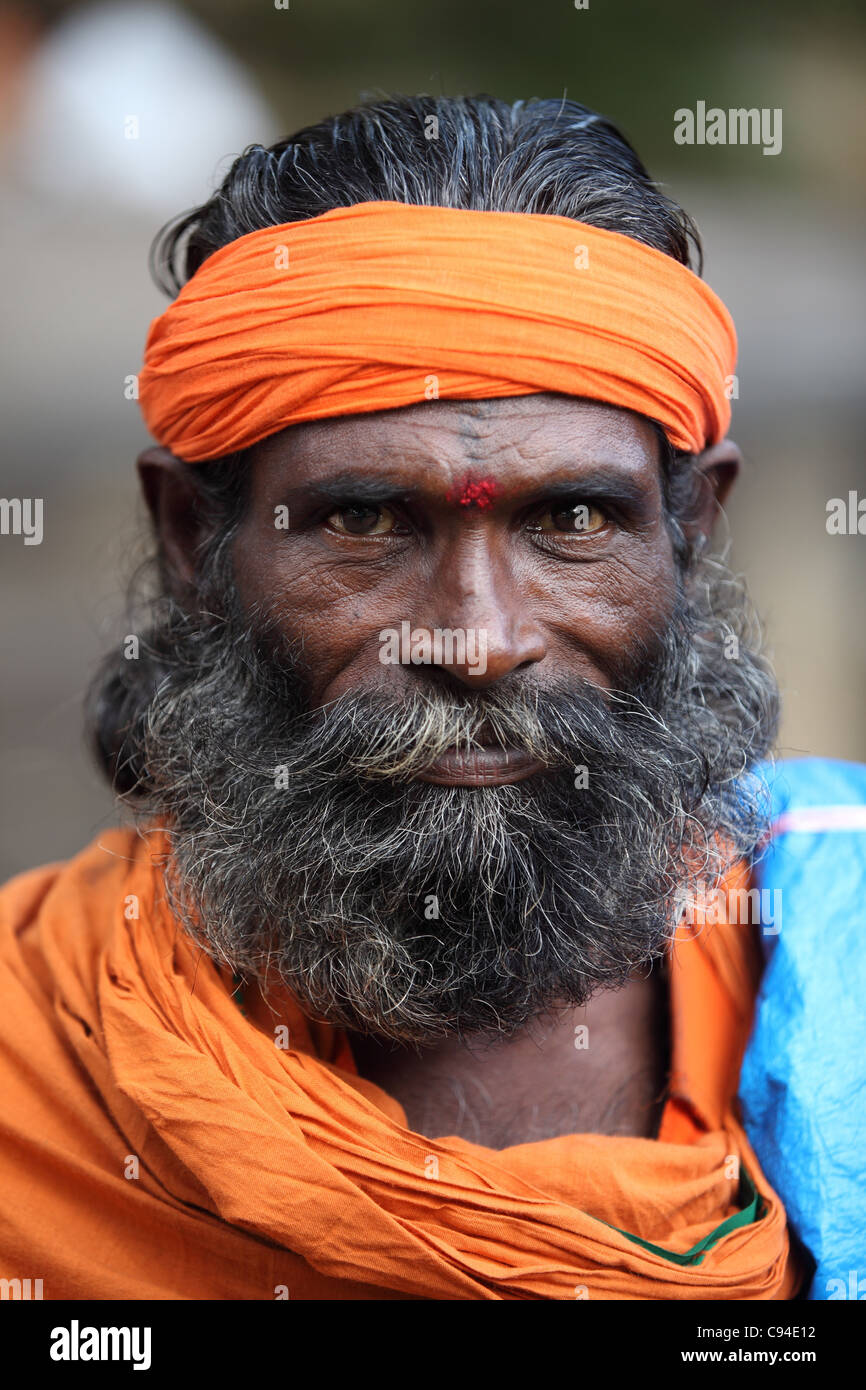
{"points": [[436, 723]]}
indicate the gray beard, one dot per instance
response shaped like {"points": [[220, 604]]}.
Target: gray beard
{"points": [[306, 852]]}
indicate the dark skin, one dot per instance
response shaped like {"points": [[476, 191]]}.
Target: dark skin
{"points": [[456, 514]]}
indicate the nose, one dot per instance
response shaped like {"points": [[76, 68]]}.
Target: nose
{"points": [[483, 629]]}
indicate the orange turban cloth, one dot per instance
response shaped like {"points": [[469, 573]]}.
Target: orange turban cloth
{"points": [[381, 305]]}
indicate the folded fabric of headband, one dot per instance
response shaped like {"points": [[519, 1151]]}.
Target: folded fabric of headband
{"points": [[380, 305]]}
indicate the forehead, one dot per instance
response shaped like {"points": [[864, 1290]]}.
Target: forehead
{"points": [[513, 441]]}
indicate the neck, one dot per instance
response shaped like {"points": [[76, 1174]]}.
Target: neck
{"points": [[601, 1069]]}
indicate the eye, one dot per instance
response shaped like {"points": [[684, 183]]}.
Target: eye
{"points": [[365, 519], [578, 518]]}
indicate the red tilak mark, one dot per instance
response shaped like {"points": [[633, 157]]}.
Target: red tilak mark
{"points": [[478, 494]]}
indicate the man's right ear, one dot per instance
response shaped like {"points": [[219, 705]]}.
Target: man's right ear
{"points": [[170, 492]]}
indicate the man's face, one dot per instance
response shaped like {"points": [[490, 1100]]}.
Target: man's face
{"points": [[535, 521], [418, 849]]}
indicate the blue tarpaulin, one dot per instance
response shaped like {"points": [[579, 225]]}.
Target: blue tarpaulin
{"points": [[803, 1081]]}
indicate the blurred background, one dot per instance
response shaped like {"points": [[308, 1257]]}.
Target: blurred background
{"points": [[115, 116]]}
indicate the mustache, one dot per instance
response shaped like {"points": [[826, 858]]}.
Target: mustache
{"points": [[377, 736], [390, 735]]}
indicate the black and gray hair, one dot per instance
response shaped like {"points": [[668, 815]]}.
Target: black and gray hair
{"points": [[549, 156]]}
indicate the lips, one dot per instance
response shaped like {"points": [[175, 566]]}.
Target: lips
{"points": [[481, 767]]}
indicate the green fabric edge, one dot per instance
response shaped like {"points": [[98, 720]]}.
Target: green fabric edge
{"points": [[753, 1210]]}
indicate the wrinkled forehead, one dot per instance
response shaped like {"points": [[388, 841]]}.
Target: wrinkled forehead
{"points": [[465, 450]]}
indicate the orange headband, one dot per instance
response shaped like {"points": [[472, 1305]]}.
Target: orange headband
{"points": [[382, 304]]}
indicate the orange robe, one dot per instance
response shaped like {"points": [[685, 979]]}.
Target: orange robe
{"points": [[157, 1142]]}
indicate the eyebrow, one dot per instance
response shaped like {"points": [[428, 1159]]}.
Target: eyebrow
{"points": [[348, 487], [601, 483]]}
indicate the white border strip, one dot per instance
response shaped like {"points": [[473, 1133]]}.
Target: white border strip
{"points": [[811, 820]]}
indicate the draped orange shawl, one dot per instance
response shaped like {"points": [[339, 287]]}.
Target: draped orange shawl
{"points": [[158, 1143]]}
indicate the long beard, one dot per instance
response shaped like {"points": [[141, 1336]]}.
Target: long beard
{"points": [[306, 850]]}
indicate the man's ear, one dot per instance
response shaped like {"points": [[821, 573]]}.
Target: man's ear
{"points": [[171, 494], [717, 469]]}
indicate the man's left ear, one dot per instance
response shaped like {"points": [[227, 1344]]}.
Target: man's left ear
{"points": [[717, 469]]}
